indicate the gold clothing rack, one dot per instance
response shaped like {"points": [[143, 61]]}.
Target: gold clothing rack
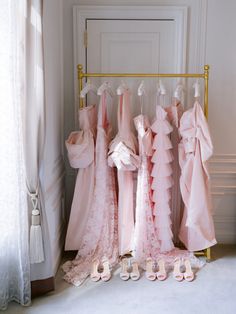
{"points": [[204, 75]]}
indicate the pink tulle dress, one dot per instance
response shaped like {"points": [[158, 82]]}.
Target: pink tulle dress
{"points": [[175, 112], [100, 237], [122, 154], [145, 240], [81, 148], [162, 178], [197, 228]]}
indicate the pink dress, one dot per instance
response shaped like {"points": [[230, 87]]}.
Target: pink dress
{"points": [[162, 180], [122, 154], [80, 146], [197, 228], [100, 238], [175, 112], [145, 239]]}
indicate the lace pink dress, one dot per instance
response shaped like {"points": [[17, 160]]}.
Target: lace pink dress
{"points": [[81, 147], [162, 180], [100, 239], [175, 112], [197, 228], [122, 154], [145, 239]]}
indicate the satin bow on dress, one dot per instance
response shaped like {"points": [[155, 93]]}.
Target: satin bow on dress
{"points": [[197, 228]]}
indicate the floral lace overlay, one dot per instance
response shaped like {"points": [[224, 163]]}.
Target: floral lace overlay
{"points": [[100, 237], [145, 243]]}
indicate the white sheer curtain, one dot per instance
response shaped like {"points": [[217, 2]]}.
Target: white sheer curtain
{"points": [[14, 229]]}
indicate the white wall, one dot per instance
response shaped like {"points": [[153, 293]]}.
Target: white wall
{"points": [[211, 27], [221, 55], [53, 158]]}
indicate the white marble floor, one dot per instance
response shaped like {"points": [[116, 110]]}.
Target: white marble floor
{"points": [[212, 292]]}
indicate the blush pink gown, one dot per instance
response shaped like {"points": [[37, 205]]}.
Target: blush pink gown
{"points": [[100, 238], [197, 228], [145, 239], [81, 147], [175, 112], [162, 179], [122, 154]]}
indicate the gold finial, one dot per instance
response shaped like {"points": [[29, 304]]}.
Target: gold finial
{"points": [[206, 67], [80, 71], [79, 67]]}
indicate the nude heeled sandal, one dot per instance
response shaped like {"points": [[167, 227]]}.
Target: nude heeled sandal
{"points": [[161, 274], [177, 273], [150, 275], [135, 274], [188, 274], [124, 275], [95, 275], [106, 274]]}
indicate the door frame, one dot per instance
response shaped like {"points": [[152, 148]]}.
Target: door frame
{"points": [[81, 13]]}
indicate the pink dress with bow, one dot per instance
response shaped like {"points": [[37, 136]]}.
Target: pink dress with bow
{"points": [[145, 239], [197, 228], [81, 147], [100, 238], [162, 179], [122, 154]]}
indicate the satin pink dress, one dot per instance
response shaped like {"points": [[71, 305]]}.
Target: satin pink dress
{"points": [[145, 239], [122, 154], [175, 112], [81, 148], [162, 178], [100, 238], [197, 228]]}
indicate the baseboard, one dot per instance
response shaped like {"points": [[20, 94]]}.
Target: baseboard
{"points": [[40, 287]]}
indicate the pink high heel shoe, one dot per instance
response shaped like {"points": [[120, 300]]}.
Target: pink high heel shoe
{"points": [[150, 275], [124, 274], [135, 274], [188, 274], [95, 275], [161, 274], [177, 273], [106, 274]]}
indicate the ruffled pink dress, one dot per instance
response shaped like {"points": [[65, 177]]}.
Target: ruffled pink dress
{"points": [[197, 228], [122, 154], [145, 239], [175, 112], [100, 238], [81, 147], [162, 179]]}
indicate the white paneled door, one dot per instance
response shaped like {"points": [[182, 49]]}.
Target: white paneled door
{"points": [[138, 46]]}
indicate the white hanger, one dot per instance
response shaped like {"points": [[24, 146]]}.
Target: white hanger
{"points": [[87, 88], [141, 93], [105, 87], [178, 93], [161, 90], [141, 89], [196, 87], [120, 90]]}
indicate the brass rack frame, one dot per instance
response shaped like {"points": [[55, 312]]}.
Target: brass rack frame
{"points": [[204, 75]]}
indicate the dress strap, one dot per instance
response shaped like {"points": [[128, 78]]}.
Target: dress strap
{"points": [[102, 111], [124, 113]]}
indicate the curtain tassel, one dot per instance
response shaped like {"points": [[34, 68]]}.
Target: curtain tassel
{"points": [[36, 238]]}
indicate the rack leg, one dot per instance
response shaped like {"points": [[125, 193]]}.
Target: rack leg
{"points": [[206, 78], [208, 254], [80, 87]]}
